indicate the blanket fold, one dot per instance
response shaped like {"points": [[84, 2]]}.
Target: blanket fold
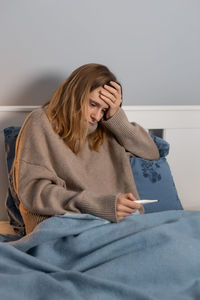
{"points": [[80, 256]]}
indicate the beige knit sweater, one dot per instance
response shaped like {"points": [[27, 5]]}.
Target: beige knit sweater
{"points": [[50, 179]]}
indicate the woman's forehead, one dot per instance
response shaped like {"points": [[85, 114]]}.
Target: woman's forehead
{"points": [[95, 96]]}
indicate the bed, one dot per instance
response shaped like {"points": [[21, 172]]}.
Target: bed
{"points": [[143, 257]]}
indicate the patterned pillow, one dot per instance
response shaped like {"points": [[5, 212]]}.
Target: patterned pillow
{"points": [[12, 201], [154, 180]]}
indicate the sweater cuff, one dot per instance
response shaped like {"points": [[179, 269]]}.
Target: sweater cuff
{"points": [[104, 206], [119, 125], [119, 118], [110, 211]]}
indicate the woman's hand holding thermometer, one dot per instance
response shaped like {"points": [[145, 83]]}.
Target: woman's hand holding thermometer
{"points": [[127, 204]]}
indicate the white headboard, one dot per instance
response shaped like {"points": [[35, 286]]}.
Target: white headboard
{"points": [[181, 126]]}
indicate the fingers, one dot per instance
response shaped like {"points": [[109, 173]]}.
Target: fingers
{"points": [[107, 97], [112, 90], [126, 209], [130, 196], [116, 86], [122, 215], [126, 205], [111, 95]]}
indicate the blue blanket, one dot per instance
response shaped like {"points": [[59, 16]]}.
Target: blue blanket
{"points": [[152, 256]]}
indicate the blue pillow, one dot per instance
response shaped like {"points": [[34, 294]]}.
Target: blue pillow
{"points": [[154, 180], [12, 201]]}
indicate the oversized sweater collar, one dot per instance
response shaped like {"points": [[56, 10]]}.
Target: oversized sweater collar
{"points": [[92, 128]]}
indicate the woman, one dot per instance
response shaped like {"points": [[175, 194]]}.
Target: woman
{"points": [[72, 154]]}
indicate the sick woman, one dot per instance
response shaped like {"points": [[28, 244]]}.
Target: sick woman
{"points": [[73, 153]]}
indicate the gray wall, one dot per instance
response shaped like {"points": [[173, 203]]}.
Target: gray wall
{"points": [[153, 47]]}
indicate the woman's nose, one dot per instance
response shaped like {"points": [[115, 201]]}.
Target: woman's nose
{"points": [[96, 115]]}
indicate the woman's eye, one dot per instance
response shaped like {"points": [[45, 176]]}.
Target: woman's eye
{"points": [[92, 104]]}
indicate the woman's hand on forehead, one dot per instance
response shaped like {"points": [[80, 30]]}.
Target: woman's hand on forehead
{"points": [[112, 96]]}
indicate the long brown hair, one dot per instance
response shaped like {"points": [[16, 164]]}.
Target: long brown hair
{"points": [[68, 107]]}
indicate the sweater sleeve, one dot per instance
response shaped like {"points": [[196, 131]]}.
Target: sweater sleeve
{"points": [[134, 138], [46, 194]]}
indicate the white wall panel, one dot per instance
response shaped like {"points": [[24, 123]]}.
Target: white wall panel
{"points": [[184, 160]]}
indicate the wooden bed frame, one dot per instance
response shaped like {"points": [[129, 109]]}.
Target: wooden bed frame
{"points": [[181, 128]]}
